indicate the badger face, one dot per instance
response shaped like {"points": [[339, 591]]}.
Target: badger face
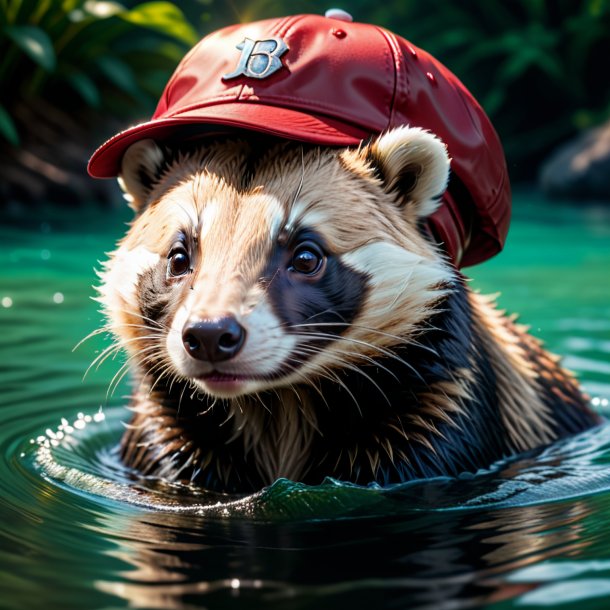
{"points": [[244, 271]]}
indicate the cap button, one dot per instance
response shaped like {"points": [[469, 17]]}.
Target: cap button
{"points": [[339, 14]]}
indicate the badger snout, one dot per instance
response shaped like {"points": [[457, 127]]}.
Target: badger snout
{"points": [[213, 339]]}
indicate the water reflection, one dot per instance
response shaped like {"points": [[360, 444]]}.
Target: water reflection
{"points": [[444, 543], [424, 560]]}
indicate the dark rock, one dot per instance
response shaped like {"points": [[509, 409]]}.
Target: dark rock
{"points": [[580, 169]]}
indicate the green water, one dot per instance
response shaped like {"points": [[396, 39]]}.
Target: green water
{"points": [[76, 533]]}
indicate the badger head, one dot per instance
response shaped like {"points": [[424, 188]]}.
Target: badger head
{"points": [[249, 268]]}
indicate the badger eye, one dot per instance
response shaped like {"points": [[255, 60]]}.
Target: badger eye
{"points": [[178, 262], [307, 259]]}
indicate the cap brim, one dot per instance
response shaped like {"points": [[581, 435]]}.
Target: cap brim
{"points": [[272, 120]]}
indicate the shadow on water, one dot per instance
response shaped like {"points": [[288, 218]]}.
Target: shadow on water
{"points": [[78, 531]]}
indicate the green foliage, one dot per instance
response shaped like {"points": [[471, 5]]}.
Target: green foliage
{"points": [[80, 54], [163, 17], [33, 42], [7, 127]]}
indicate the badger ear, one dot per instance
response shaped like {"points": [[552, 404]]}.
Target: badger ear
{"points": [[140, 170], [412, 164]]}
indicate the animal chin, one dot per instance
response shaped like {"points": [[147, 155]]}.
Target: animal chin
{"points": [[229, 385]]}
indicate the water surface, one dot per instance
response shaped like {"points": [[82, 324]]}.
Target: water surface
{"points": [[77, 532]]}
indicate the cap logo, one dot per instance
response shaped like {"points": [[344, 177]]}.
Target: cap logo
{"points": [[259, 58]]}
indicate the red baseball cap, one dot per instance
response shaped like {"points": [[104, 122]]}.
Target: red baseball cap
{"points": [[329, 81]]}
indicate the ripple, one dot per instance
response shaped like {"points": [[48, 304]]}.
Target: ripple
{"points": [[81, 456], [585, 344], [567, 592], [587, 364]]}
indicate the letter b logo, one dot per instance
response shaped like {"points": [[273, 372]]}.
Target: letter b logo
{"points": [[259, 58]]}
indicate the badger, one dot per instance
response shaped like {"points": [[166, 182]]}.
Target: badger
{"points": [[286, 313]]}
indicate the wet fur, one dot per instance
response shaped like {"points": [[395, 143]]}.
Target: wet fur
{"points": [[387, 369]]}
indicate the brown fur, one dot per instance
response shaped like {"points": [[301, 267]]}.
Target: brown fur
{"points": [[238, 206]]}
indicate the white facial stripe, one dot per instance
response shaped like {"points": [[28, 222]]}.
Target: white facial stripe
{"points": [[403, 284], [273, 209], [179, 199], [380, 259], [208, 216], [296, 213], [303, 214], [120, 280], [267, 345]]}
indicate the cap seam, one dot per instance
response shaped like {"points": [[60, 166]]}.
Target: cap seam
{"points": [[326, 109], [288, 23], [493, 204], [390, 40]]}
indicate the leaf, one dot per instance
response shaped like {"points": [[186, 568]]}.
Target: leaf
{"points": [[86, 88], [7, 127], [34, 42], [119, 73], [102, 10], [493, 101], [162, 17], [152, 82], [68, 6], [447, 40], [518, 64]]}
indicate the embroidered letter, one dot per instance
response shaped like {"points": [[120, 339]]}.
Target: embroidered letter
{"points": [[259, 58]]}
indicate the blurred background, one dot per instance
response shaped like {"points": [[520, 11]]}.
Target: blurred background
{"points": [[76, 71]]}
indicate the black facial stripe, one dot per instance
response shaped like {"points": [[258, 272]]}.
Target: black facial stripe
{"points": [[321, 308], [158, 297], [155, 293]]}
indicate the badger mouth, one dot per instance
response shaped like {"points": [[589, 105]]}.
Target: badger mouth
{"points": [[230, 385], [221, 377]]}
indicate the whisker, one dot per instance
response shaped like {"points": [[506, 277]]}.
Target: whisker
{"points": [[401, 291], [326, 311], [331, 376], [356, 370], [114, 349], [400, 339], [312, 349], [378, 348], [93, 333], [118, 377], [163, 370]]}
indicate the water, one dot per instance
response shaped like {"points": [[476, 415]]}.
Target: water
{"points": [[77, 532]]}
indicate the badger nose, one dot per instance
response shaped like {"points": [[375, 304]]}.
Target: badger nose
{"points": [[213, 339]]}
